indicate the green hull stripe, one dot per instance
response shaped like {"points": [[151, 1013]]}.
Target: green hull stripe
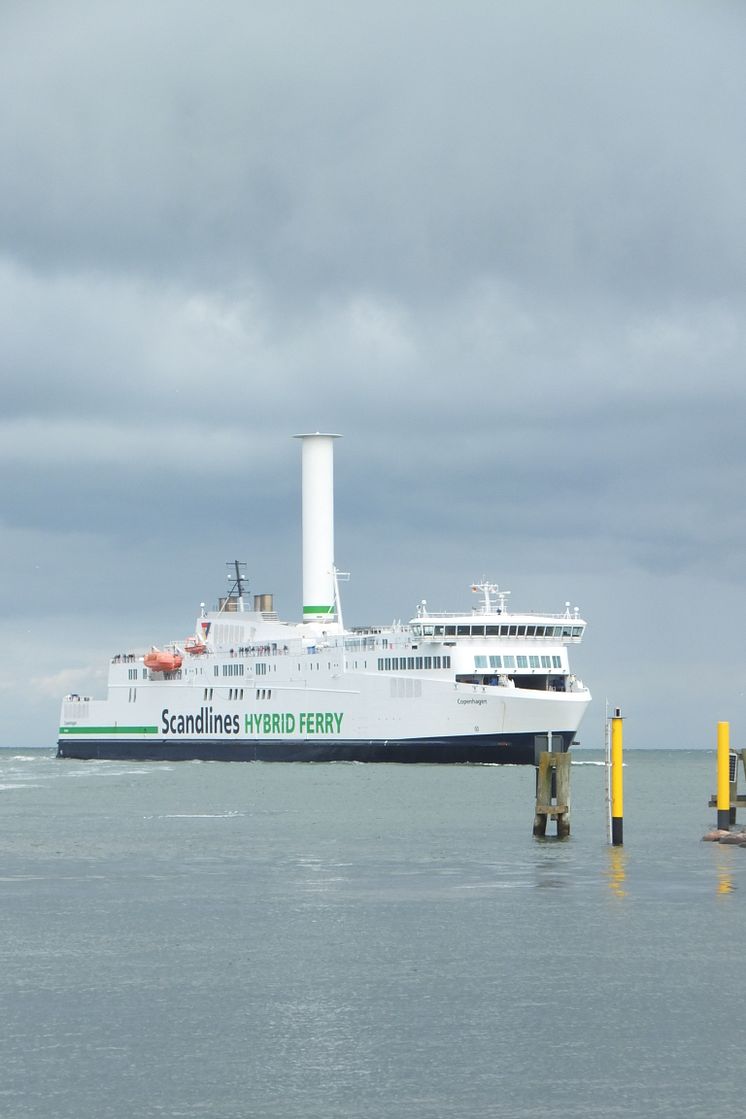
{"points": [[318, 609], [108, 730]]}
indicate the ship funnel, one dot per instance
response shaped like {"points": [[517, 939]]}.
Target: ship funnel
{"points": [[318, 527]]}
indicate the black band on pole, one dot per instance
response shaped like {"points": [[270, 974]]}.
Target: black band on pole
{"points": [[617, 828]]}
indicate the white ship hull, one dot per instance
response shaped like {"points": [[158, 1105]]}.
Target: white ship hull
{"points": [[317, 711]]}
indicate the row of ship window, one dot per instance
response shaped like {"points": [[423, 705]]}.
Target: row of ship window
{"points": [[238, 693], [401, 664], [510, 662], [502, 630], [229, 669], [260, 668]]}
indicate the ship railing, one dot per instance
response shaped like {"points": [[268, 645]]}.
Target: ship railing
{"points": [[514, 617]]}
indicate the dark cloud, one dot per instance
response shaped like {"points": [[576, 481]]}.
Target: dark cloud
{"points": [[323, 147], [500, 248]]}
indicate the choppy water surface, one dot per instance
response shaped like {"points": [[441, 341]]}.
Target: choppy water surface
{"points": [[363, 941]]}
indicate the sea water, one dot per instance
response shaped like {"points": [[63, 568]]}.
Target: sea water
{"points": [[257, 940]]}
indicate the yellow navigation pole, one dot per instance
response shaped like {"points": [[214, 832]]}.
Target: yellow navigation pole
{"points": [[617, 781], [724, 776]]}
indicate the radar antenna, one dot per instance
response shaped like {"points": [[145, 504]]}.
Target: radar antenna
{"points": [[237, 579], [487, 590]]}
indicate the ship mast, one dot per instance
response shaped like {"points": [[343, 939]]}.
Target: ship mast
{"points": [[237, 578]]}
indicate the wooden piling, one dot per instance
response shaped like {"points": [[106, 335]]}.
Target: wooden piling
{"points": [[553, 769]]}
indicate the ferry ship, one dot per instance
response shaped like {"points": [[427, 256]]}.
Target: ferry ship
{"points": [[483, 685]]}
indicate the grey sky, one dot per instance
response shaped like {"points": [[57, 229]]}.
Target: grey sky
{"points": [[500, 247]]}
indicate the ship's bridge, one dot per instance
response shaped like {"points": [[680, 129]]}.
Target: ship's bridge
{"points": [[491, 619], [543, 626]]}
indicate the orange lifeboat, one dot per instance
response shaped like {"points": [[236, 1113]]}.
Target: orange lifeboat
{"points": [[194, 646], [161, 660]]}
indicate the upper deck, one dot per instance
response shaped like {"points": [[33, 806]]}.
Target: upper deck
{"points": [[491, 619]]}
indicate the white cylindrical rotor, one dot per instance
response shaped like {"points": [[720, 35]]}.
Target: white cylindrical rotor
{"points": [[318, 526]]}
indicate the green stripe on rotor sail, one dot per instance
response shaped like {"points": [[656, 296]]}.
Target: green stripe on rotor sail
{"points": [[318, 609], [108, 730]]}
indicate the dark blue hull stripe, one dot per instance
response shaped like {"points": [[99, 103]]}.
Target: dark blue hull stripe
{"points": [[509, 749]]}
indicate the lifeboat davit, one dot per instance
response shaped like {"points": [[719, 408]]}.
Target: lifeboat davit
{"points": [[161, 660]]}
